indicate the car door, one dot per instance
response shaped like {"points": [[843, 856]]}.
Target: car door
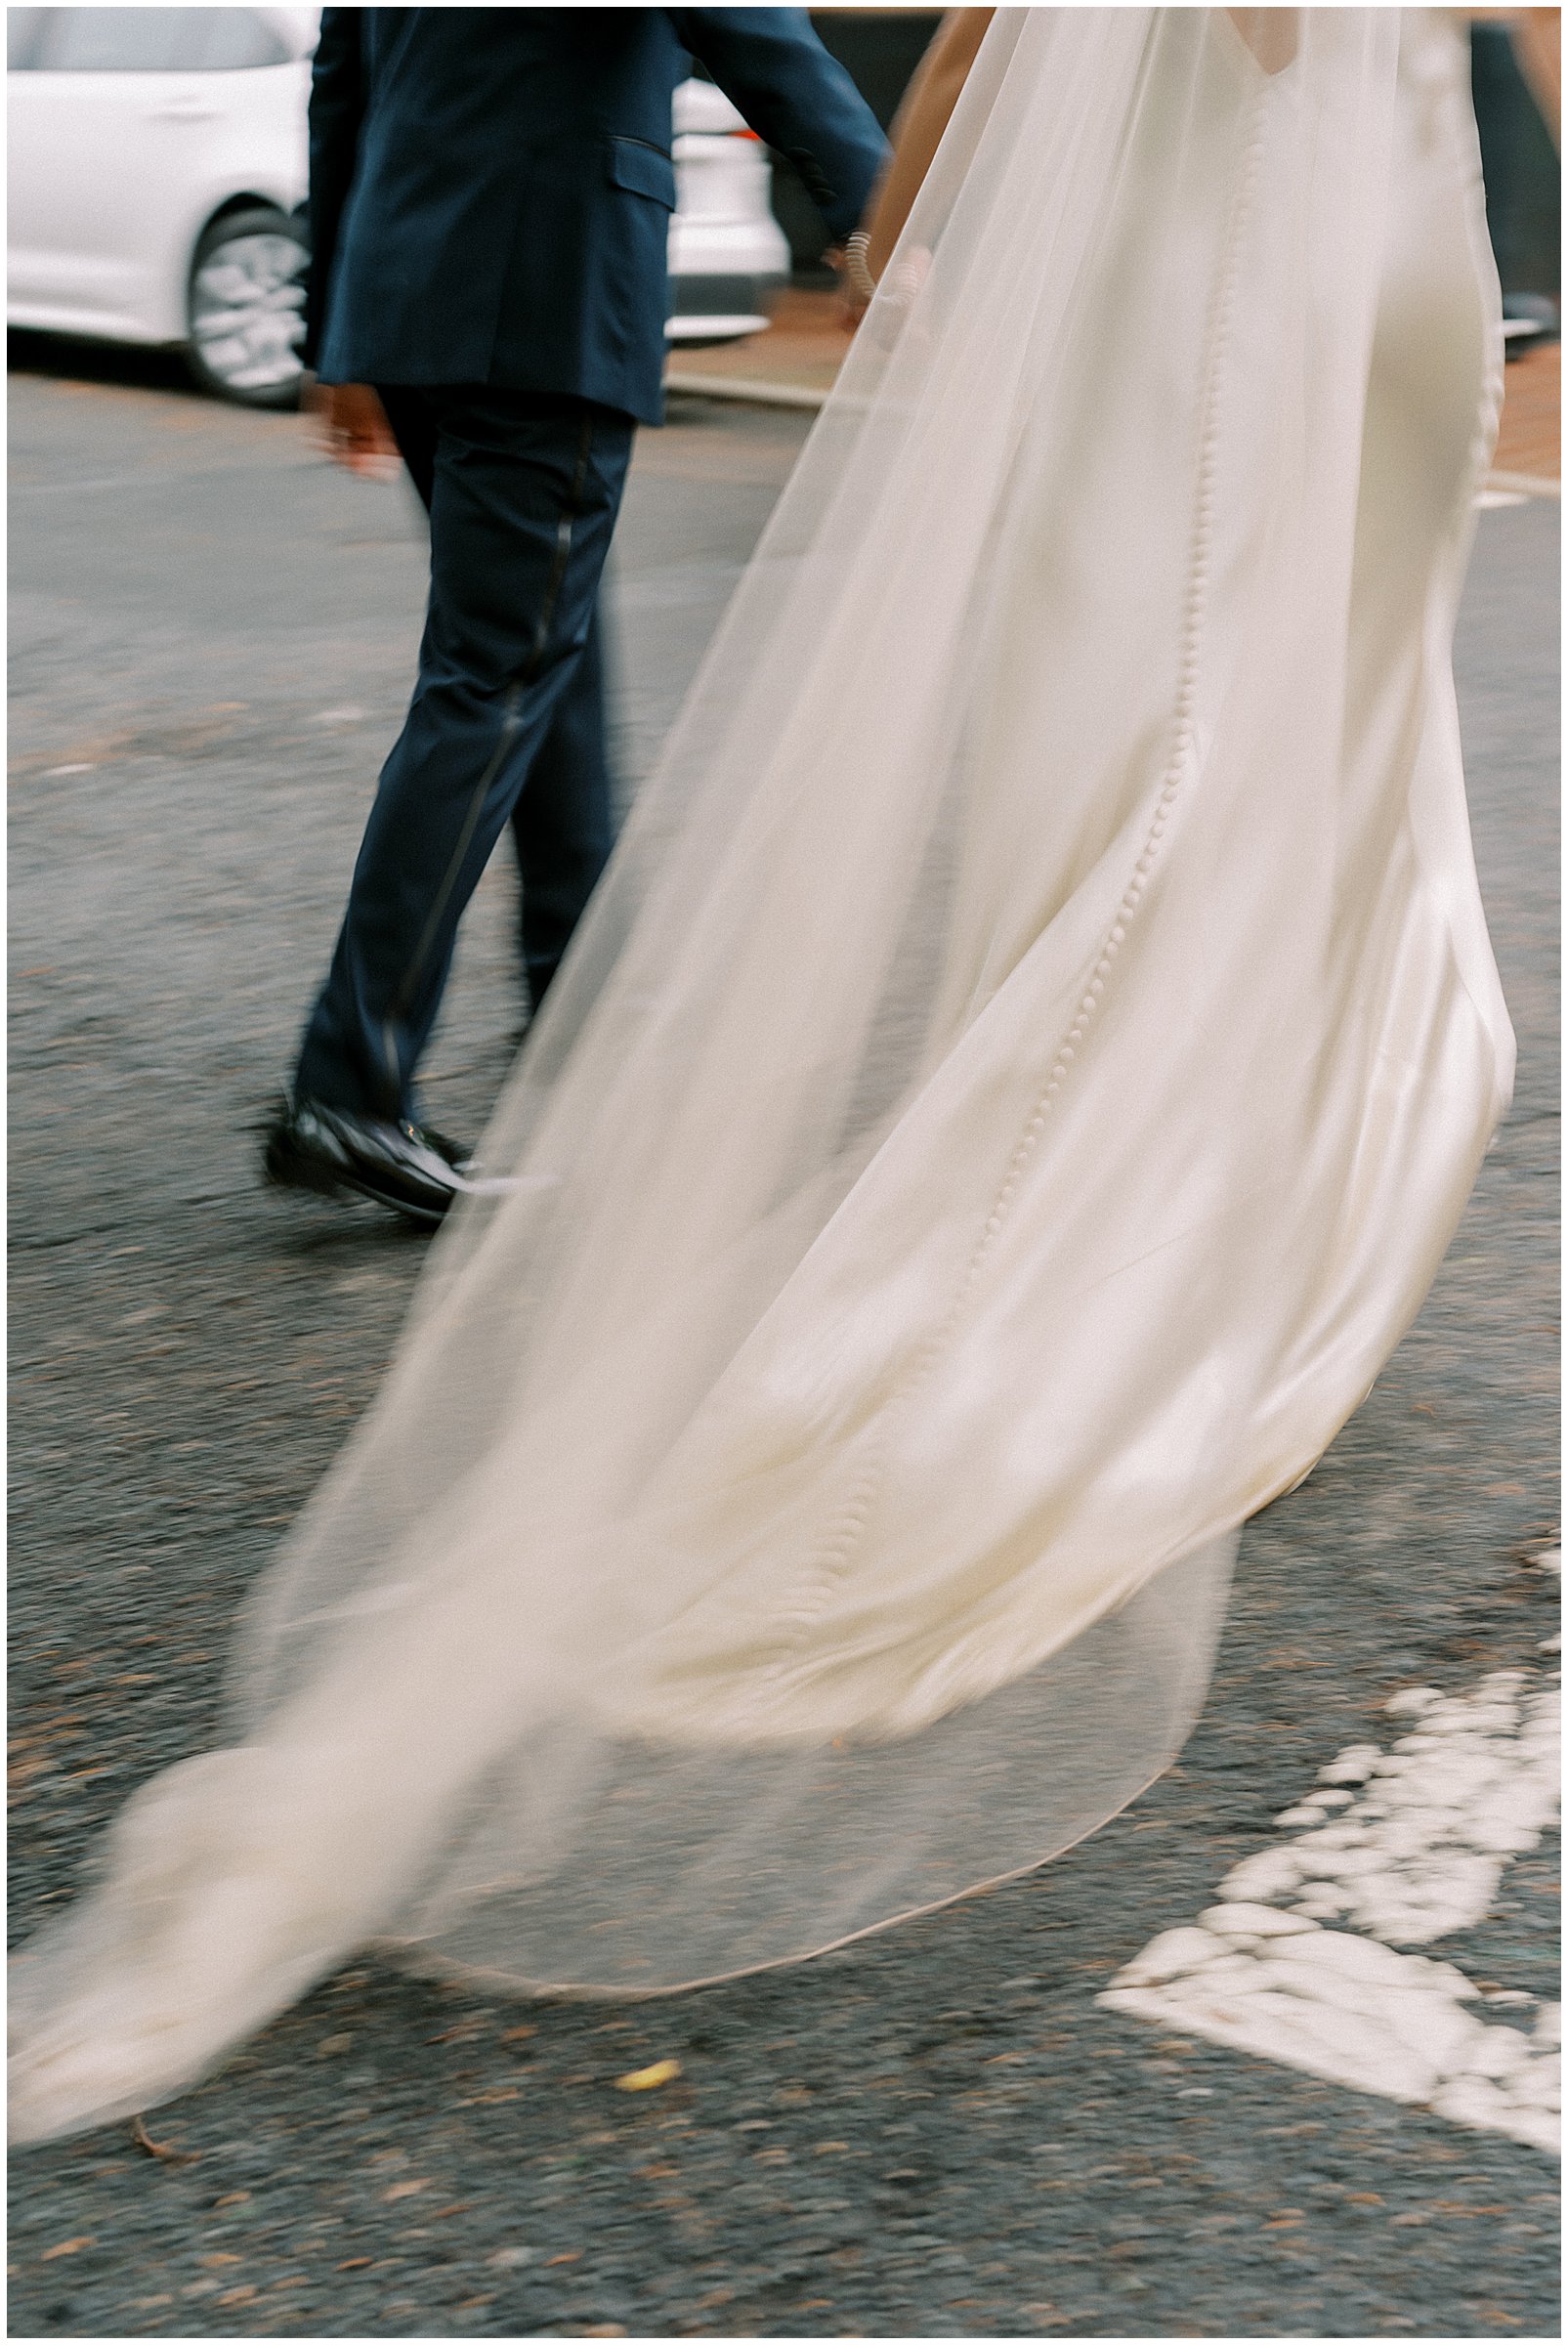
{"points": [[115, 113]]}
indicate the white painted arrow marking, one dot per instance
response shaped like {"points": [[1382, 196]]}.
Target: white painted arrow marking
{"points": [[1407, 1846]]}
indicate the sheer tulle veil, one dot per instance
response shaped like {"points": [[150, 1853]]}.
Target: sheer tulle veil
{"points": [[1012, 1089]]}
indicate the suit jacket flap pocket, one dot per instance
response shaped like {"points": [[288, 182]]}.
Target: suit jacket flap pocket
{"points": [[645, 170]]}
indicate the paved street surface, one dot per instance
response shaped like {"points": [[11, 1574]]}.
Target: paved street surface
{"points": [[943, 2132]]}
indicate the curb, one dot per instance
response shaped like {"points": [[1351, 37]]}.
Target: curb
{"points": [[1524, 484], [763, 394], [755, 393]]}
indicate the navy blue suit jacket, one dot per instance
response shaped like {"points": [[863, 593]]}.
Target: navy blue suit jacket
{"points": [[490, 188]]}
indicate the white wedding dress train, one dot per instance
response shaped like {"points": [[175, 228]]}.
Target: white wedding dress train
{"points": [[1014, 1087]]}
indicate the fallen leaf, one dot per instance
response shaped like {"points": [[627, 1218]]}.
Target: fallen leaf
{"points": [[151, 2148], [68, 2248], [646, 2080], [404, 2189]]}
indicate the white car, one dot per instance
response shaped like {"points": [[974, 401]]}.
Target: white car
{"points": [[158, 176], [727, 255], [158, 165]]}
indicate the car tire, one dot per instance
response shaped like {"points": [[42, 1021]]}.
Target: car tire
{"points": [[245, 308]]}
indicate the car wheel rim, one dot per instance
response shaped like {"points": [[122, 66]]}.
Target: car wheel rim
{"points": [[246, 305]]}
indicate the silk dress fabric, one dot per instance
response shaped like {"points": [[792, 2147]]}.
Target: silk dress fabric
{"points": [[1013, 1089]]}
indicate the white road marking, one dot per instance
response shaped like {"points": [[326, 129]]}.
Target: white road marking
{"points": [[1407, 1846]]}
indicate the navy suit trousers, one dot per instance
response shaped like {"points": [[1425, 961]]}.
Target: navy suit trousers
{"points": [[506, 724]]}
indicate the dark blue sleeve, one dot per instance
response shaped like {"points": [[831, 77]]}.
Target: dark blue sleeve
{"points": [[337, 104], [769, 64]]}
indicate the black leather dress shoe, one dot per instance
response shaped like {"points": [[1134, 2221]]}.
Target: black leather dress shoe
{"points": [[413, 1171]]}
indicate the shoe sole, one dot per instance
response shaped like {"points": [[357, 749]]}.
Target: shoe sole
{"points": [[287, 1167]]}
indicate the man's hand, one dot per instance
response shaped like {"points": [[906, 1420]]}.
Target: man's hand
{"points": [[350, 425]]}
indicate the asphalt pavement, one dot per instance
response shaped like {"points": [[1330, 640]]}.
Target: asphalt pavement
{"points": [[940, 2132]]}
